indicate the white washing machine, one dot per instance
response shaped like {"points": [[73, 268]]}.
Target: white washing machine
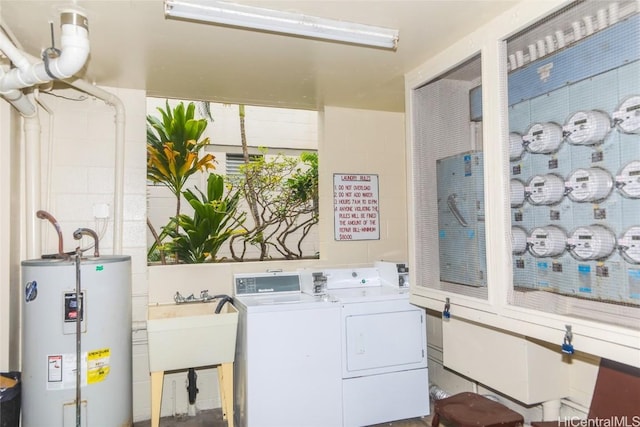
{"points": [[287, 370], [384, 347]]}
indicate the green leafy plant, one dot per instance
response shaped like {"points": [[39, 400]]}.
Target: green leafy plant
{"points": [[173, 155], [173, 148], [304, 181], [198, 239], [284, 195]]}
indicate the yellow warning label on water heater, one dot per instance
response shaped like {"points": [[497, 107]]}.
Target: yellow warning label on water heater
{"points": [[98, 365]]}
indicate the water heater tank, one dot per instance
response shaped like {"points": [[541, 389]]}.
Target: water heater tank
{"points": [[49, 312]]}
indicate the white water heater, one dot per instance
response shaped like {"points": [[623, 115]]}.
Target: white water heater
{"points": [[50, 308]]}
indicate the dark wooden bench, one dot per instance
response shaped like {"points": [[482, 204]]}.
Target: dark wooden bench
{"points": [[616, 397]]}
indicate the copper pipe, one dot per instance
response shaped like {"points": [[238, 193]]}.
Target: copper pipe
{"points": [[88, 232], [46, 215]]}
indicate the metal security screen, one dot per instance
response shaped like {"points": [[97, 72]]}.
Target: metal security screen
{"points": [[449, 183], [574, 151]]}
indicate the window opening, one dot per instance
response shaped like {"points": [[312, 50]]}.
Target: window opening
{"points": [[449, 182], [274, 217]]}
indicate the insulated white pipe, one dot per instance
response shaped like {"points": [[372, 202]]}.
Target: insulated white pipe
{"points": [[13, 53], [118, 195], [12, 49], [32, 184], [74, 53], [20, 101], [49, 167], [551, 410], [576, 406]]}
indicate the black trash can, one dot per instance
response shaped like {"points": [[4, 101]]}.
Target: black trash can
{"points": [[10, 399]]}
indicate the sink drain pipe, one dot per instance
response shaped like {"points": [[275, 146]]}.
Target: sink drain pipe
{"points": [[192, 377], [192, 389]]}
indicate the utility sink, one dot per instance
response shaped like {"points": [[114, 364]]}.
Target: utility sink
{"points": [[190, 335]]}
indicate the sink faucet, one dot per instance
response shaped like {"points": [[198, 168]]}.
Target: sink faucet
{"points": [[204, 297]]}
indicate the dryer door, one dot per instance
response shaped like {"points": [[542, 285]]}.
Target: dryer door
{"points": [[383, 341]]}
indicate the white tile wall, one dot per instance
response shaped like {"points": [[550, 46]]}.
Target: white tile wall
{"points": [[82, 175]]}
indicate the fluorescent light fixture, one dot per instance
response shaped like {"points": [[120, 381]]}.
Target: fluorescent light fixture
{"points": [[257, 18]]}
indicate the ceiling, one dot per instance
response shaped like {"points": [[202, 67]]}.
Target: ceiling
{"points": [[134, 46]]}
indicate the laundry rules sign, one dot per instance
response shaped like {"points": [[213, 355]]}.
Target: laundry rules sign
{"points": [[355, 207]]}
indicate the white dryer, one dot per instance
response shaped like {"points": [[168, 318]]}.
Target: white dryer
{"points": [[384, 348], [287, 370]]}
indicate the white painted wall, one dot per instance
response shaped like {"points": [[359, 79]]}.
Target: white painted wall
{"points": [[364, 142], [265, 126]]}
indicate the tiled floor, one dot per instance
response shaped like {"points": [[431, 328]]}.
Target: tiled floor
{"points": [[213, 418]]}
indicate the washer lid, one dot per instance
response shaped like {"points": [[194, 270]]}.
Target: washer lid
{"points": [[282, 302]]}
